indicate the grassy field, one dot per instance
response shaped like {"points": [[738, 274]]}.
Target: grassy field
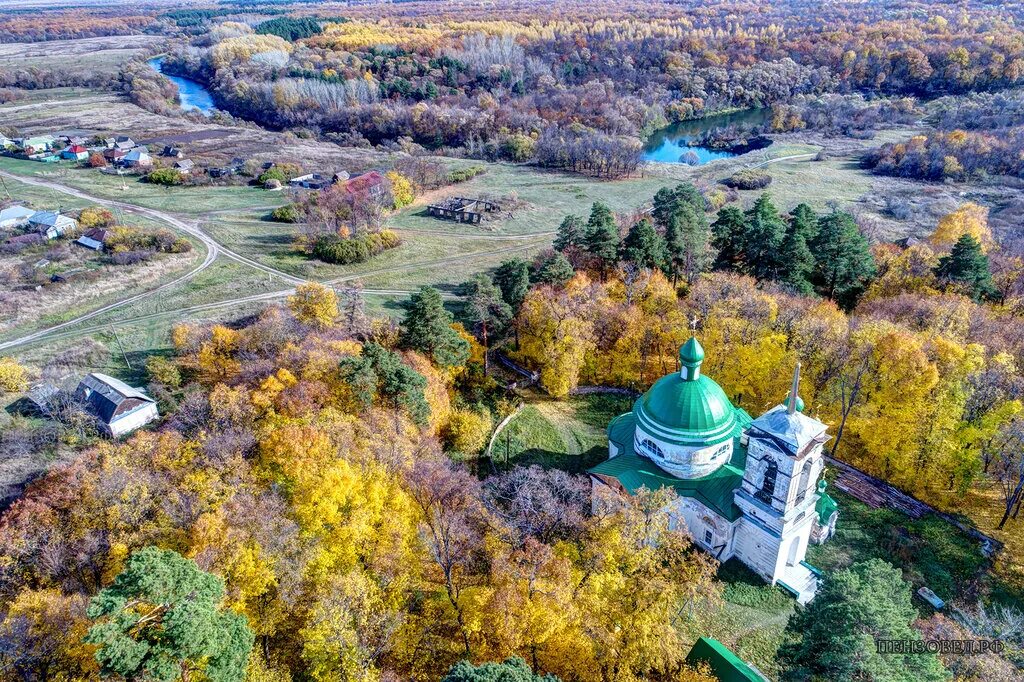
{"points": [[538, 199], [566, 434], [86, 56], [929, 551]]}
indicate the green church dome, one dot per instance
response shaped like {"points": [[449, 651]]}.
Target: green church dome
{"points": [[690, 411], [697, 410]]}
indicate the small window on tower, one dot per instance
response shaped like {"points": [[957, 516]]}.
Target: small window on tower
{"points": [[708, 537], [767, 491]]}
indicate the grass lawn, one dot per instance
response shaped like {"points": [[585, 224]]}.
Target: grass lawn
{"points": [[272, 244], [929, 551], [547, 197], [566, 434], [753, 618], [101, 55]]}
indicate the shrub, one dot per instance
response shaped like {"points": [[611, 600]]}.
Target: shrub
{"points": [[519, 147], [463, 174], [94, 216], [288, 213], [163, 371], [748, 179], [131, 239], [467, 431], [131, 257], [401, 189], [13, 377], [97, 160], [282, 172], [343, 251], [165, 176]]}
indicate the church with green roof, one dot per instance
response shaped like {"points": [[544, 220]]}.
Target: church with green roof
{"points": [[745, 487]]}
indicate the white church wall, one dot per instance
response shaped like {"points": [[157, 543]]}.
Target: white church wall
{"points": [[709, 530]]}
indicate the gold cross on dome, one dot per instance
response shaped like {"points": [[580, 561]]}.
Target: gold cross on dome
{"points": [[693, 323]]}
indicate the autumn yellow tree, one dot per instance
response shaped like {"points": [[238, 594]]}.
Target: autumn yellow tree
{"points": [[970, 218], [556, 335], [314, 304]]}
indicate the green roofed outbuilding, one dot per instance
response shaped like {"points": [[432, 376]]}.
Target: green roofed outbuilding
{"points": [[724, 664]]}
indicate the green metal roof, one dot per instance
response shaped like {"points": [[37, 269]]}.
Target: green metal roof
{"points": [[724, 664], [691, 353], [634, 472], [826, 506], [688, 411]]}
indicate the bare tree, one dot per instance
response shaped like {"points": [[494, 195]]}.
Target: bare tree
{"points": [[452, 526], [1008, 467]]}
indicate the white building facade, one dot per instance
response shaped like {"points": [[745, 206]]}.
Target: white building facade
{"points": [[746, 488]]}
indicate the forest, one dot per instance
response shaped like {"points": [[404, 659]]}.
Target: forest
{"points": [[582, 94]]}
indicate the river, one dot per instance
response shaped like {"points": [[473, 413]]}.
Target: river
{"points": [[670, 144], [193, 95]]}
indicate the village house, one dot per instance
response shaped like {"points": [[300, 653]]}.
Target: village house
{"points": [[172, 152], [15, 216], [745, 488], [51, 224], [6, 143], [35, 146], [371, 183], [119, 408], [234, 168], [93, 239], [310, 181], [184, 166], [137, 158], [124, 142], [75, 152], [114, 155]]}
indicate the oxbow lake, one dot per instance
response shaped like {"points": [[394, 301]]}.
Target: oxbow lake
{"points": [[193, 95], [670, 144]]}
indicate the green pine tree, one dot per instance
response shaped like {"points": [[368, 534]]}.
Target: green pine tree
{"points": [[804, 221], [427, 328], [797, 259], [764, 234], [572, 232], [511, 670], [555, 270], [729, 238], [379, 375], [854, 608], [487, 309], [967, 266], [688, 241], [163, 619], [513, 278], [602, 235], [644, 246], [844, 265], [667, 202]]}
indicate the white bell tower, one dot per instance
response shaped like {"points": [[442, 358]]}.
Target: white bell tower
{"points": [[779, 491]]}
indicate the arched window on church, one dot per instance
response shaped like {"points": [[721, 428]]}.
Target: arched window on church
{"points": [[651, 449], [767, 491], [805, 477]]}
